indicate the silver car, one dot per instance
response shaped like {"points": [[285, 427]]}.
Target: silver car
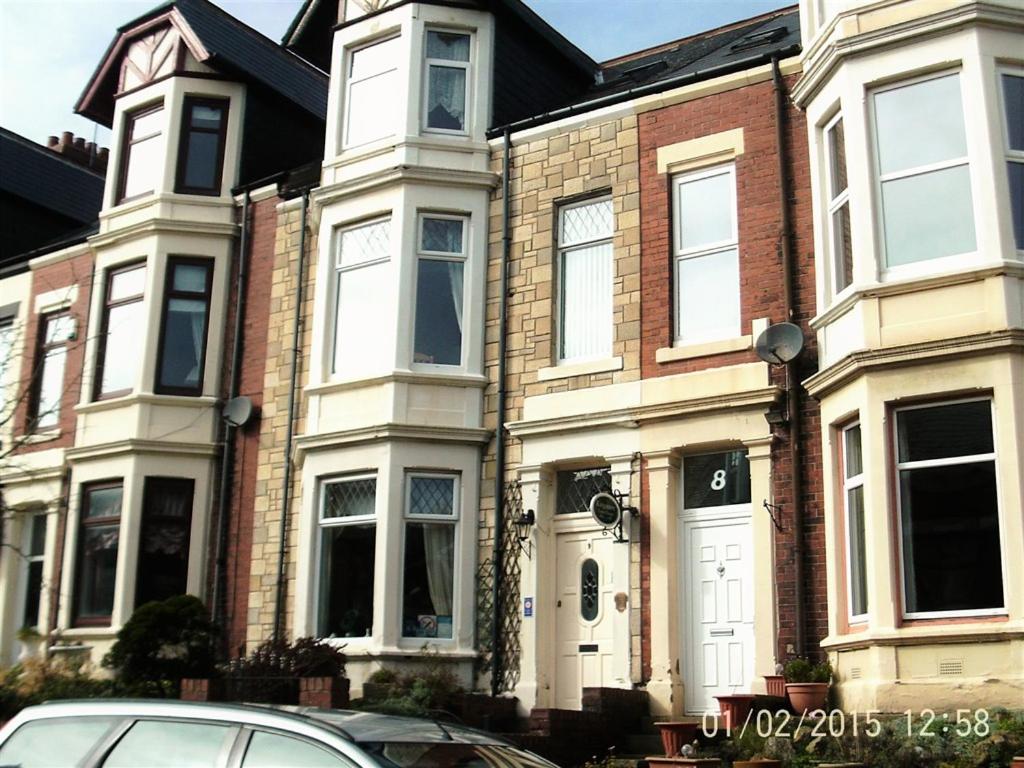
{"points": [[172, 734]]}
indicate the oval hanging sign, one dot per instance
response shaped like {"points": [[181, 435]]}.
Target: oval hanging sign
{"points": [[605, 509]]}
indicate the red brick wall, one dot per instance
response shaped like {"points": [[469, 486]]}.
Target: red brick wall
{"points": [[254, 352], [57, 277], [751, 108]]}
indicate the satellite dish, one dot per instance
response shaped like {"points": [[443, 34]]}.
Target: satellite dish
{"points": [[605, 509], [780, 343], [237, 411]]}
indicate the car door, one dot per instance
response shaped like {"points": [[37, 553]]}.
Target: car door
{"points": [[261, 748], [172, 743]]}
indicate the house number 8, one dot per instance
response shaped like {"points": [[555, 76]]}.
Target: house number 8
{"points": [[718, 480]]}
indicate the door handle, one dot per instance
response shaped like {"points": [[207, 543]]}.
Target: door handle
{"points": [[721, 632]]}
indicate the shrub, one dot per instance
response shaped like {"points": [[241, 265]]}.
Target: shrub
{"points": [[306, 657], [431, 690], [164, 642], [801, 670], [39, 680]]}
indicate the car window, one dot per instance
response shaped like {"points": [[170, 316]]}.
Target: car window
{"points": [[271, 750], [167, 744], [54, 743], [452, 755]]}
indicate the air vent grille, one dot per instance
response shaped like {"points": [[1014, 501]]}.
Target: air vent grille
{"points": [[855, 673], [951, 667]]}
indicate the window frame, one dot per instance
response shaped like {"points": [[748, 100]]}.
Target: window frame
{"points": [[680, 254], [82, 524], [128, 141], [920, 267], [467, 66], [43, 350], [561, 249], [453, 521], [834, 203], [948, 461], [151, 484], [170, 293], [342, 522], [1010, 155], [108, 304], [338, 270], [346, 142], [850, 483], [184, 135], [28, 559], [461, 257]]}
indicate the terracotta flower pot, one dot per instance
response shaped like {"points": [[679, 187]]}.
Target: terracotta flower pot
{"points": [[674, 735], [1018, 762], [734, 709], [776, 685], [763, 762], [807, 697]]}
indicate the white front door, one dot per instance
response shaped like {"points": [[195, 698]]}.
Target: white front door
{"points": [[585, 608], [718, 610]]}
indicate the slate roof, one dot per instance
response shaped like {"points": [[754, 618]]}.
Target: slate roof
{"points": [[34, 173], [234, 48]]}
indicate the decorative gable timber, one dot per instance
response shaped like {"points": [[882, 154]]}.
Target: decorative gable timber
{"points": [[356, 8]]}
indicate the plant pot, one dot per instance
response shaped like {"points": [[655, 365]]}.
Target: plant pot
{"points": [[734, 709], [763, 762], [776, 685], [1018, 762], [840, 765], [674, 735], [685, 762], [807, 697]]}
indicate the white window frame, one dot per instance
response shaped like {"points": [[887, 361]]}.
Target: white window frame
{"points": [[339, 270], [340, 522], [929, 265], [944, 462], [1011, 155], [350, 53], [835, 203], [563, 249], [849, 484], [466, 65], [27, 560], [452, 520], [680, 254], [462, 257]]}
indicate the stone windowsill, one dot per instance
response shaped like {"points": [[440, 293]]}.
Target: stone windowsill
{"points": [[689, 351], [566, 370]]}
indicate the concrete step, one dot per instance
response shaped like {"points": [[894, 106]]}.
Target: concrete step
{"points": [[641, 744]]}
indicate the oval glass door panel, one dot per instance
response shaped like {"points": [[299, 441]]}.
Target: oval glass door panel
{"points": [[589, 589]]}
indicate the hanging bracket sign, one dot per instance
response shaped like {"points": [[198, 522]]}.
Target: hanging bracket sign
{"points": [[607, 509]]}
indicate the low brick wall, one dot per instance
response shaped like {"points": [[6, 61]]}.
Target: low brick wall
{"points": [[324, 692]]}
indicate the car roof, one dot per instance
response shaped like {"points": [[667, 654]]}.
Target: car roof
{"points": [[359, 727]]}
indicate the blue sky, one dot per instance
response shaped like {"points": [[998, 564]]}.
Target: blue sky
{"points": [[49, 48]]}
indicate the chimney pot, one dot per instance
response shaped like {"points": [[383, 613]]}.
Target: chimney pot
{"points": [[66, 138], [80, 143], [51, 141]]}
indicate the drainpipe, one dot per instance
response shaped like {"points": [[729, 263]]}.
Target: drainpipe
{"points": [[218, 598], [287, 483], [499, 433], [792, 375]]}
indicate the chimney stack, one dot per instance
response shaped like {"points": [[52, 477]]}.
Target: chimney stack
{"points": [[77, 150]]}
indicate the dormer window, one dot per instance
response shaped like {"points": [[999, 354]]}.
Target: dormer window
{"points": [[201, 148], [142, 153], [447, 68]]}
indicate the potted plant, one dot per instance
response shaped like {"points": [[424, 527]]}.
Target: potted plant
{"points": [[775, 685], [807, 684], [675, 735], [735, 708]]}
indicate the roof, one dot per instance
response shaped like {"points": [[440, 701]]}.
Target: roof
{"points": [[34, 173], [228, 45], [762, 36]]}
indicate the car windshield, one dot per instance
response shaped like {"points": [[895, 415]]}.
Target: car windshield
{"points": [[451, 755]]}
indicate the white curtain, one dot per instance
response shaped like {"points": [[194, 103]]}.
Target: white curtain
{"points": [[455, 269], [198, 320], [438, 546]]}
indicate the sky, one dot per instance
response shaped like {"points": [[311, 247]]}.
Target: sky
{"points": [[50, 48]]}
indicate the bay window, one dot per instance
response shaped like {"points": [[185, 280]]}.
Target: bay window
{"points": [[853, 505], [585, 272], [440, 269], [181, 359], [949, 510], [165, 538], [1013, 109], [347, 540], [923, 171], [99, 530], [201, 147], [371, 109], [838, 205], [428, 586], [124, 325], [447, 81], [142, 152], [362, 272], [707, 276], [56, 330]]}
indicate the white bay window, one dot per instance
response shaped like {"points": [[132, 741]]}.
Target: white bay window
{"points": [[706, 256], [370, 103], [923, 171], [362, 268], [440, 273], [428, 583], [447, 81], [585, 280]]}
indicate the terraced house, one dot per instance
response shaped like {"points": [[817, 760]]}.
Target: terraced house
{"points": [[425, 333]]}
